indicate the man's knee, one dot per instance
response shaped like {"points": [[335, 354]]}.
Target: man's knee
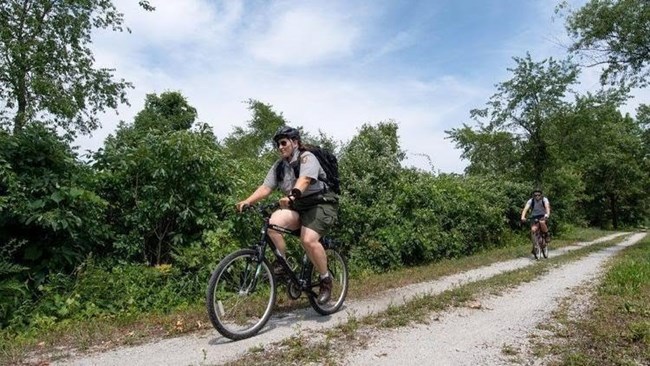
{"points": [[285, 218]]}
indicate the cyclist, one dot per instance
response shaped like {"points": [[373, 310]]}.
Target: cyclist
{"points": [[308, 205], [540, 210]]}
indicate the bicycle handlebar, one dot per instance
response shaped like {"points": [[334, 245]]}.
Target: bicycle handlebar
{"points": [[264, 209]]}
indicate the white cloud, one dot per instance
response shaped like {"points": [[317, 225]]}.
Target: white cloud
{"points": [[303, 66], [303, 36], [180, 21]]}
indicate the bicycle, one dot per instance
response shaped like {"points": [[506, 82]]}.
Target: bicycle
{"points": [[243, 288], [540, 246]]}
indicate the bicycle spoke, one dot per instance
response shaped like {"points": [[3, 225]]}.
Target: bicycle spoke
{"points": [[240, 297]]}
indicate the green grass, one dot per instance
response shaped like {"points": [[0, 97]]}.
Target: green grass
{"points": [[616, 329], [107, 333]]}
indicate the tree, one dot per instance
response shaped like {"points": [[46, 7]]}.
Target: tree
{"points": [[255, 141], [595, 139], [47, 68], [489, 152], [643, 119], [167, 112], [523, 105], [50, 218], [614, 33], [166, 184]]}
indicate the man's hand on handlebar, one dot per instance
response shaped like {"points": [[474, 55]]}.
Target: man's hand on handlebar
{"points": [[285, 202], [241, 206]]}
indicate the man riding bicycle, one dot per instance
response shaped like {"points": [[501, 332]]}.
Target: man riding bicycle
{"points": [[308, 204], [540, 212]]}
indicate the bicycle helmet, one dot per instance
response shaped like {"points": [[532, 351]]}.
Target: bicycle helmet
{"points": [[537, 190], [286, 132]]}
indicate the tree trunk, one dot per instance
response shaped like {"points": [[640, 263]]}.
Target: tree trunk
{"points": [[21, 115], [613, 206]]}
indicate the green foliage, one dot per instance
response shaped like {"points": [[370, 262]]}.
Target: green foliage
{"points": [[615, 33], [590, 160], [524, 105], [167, 112], [109, 290], [12, 291], [166, 186], [48, 68], [256, 141], [53, 214], [607, 149], [393, 216], [496, 153]]}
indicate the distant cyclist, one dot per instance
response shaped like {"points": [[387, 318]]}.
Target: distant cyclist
{"points": [[540, 209]]}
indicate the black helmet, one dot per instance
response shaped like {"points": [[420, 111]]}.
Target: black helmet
{"points": [[286, 132], [537, 190]]}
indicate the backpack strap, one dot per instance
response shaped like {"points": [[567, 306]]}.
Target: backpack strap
{"points": [[532, 204], [296, 172]]}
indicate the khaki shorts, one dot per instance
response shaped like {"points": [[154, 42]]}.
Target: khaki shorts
{"points": [[320, 216]]}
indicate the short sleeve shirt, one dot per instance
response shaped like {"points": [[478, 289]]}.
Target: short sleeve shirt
{"points": [[309, 167], [540, 208]]}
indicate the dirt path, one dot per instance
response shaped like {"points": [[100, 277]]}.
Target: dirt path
{"points": [[211, 348], [467, 336]]}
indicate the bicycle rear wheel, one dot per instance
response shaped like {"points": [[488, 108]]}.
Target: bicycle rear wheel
{"points": [[240, 295], [338, 268]]}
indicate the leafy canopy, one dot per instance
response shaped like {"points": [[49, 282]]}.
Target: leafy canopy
{"points": [[613, 33], [47, 69]]}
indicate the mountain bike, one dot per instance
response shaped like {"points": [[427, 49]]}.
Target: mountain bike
{"points": [[243, 288], [540, 246]]}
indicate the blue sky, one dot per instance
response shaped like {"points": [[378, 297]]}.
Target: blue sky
{"points": [[331, 65]]}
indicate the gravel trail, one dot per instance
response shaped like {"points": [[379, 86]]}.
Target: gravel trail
{"points": [[467, 336], [454, 335]]}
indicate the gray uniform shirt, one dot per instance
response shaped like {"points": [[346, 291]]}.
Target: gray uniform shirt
{"points": [[540, 208], [309, 167]]}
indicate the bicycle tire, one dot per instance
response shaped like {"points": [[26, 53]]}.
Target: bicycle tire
{"points": [[545, 249], [536, 248], [338, 267], [240, 300]]}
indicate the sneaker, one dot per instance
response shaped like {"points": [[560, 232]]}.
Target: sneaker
{"points": [[325, 290]]}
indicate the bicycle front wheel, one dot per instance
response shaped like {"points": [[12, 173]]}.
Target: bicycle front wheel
{"points": [[240, 295], [338, 268], [536, 248], [544, 249]]}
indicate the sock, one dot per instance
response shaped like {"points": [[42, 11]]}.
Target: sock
{"points": [[322, 277]]}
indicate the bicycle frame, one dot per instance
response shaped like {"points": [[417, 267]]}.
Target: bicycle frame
{"points": [[538, 231], [300, 281]]}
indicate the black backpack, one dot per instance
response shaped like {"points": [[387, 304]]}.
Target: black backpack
{"points": [[532, 203], [327, 161]]}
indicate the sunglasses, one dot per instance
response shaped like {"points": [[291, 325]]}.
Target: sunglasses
{"points": [[537, 195], [283, 143]]}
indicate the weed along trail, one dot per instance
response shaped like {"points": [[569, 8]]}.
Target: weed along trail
{"points": [[494, 331], [465, 336]]}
